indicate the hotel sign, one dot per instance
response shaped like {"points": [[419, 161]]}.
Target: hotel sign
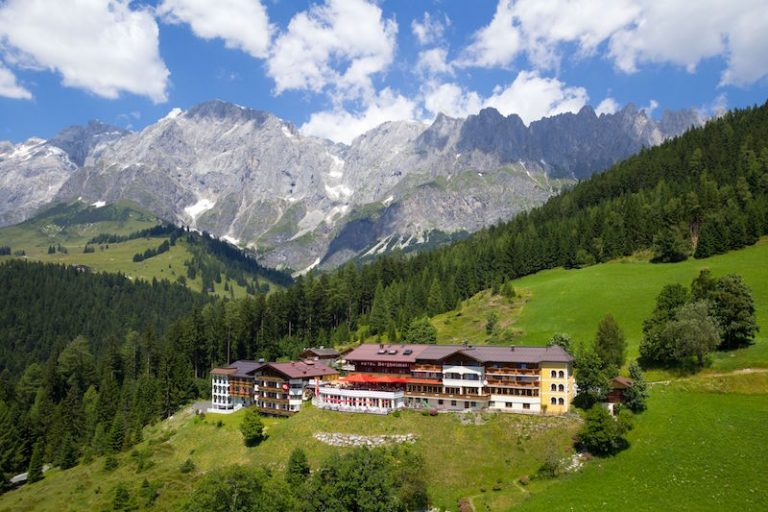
{"points": [[385, 364]]}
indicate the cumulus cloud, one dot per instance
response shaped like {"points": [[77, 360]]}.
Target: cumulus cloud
{"points": [[632, 32], [496, 44], [434, 62], [242, 24], [104, 47], [530, 96], [340, 44], [429, 30], [451, 99], [10, 88], [340, 125], [607, 106]]}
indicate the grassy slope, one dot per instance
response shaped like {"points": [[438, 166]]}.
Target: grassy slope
{"points": [[460, 458], [37, 234], [574, 301], [691, 450]]}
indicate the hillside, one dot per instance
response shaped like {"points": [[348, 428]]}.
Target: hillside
{"points": [[676, 447], [573, 302], [115, 233]]}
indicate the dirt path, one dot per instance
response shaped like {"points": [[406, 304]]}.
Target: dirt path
{"points": [[707, 375]]}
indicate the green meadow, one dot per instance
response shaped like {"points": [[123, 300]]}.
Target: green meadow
{"points": [[72, 226], [574, 301]]}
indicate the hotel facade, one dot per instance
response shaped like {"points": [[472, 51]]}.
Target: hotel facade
{"points": [[383, 378]]}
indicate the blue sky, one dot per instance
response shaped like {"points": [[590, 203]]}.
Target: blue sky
{"points": [[336, 68]]}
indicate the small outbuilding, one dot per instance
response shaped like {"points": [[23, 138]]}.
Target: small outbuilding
{"points": [[619, 386], [320, 354]]}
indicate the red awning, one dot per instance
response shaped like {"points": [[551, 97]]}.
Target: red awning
{"points": [[373, 379]]}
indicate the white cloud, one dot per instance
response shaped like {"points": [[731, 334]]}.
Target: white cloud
{"points": [[10, 88], [533, 97], [340, 125], [451, 99], [607, 106], [104, 47], [340, 44], [650, 108], [242, 24], [429, 30], [530, 96], [632, 32], [433, 62], [496, 44]]}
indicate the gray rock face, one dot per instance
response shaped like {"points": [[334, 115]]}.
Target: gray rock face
{"points": [[250, 177]]}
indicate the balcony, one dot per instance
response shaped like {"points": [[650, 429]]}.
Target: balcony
{"points": [[416, 394], [512, 371], [276, 412], [513, 384], [272, 400]]}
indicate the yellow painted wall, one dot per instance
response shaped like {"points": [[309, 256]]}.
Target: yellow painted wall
{"points": [[546, 393]]}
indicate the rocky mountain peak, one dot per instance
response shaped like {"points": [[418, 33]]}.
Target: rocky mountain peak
{"points": [[222, 110]]}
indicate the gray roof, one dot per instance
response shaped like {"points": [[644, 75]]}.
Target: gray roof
{"points": [[245, 368], [483, 354], [322, 351]]}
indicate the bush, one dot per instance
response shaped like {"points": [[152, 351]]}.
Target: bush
{"points": [[433, 412], [252, 428], [110, 463], [187, 467], [602, 434]]}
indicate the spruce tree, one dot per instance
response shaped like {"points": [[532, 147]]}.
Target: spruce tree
{"points": [[35, 470], [637, 394], [297, 471], [610, 343]]}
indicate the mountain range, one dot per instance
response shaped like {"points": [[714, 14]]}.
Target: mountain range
{"points": [[301, 202]]}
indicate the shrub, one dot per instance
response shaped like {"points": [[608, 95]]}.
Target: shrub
{"points": [[187, 467], [110, 463], [252, 428]]}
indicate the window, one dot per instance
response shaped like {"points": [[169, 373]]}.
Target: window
{"points": [[440, 402], [474, 404], [560, 401], [453, 403], [561, 374], [553, 401], [526, 406], [561, 388], [554, 387], [554, 374], [508, 404]]}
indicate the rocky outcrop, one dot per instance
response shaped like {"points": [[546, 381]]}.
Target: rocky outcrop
{"points": [[252, 178]]}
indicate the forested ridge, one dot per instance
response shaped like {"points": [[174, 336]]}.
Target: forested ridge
{"points": [[145, 344], [703, 193]]}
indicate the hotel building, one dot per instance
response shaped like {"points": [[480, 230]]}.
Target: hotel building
{"points": [[452, 377], [383, 378], [275, 388]]}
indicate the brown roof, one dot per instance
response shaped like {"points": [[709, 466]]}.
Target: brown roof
{"points": [[302, 369], [621, 382], [483, 354], [223, 371], [381, 352]]}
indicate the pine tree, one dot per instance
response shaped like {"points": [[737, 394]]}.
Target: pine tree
{"points": [[297, 471], [610, 343], [35, 470], [637, 394], [68, 453], [435, 300], [116, 437]]}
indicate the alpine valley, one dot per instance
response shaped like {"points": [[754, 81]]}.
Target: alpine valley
{"points": [[302, 202]]}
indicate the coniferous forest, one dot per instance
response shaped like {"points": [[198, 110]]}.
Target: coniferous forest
{"points": [[89, 359]]}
